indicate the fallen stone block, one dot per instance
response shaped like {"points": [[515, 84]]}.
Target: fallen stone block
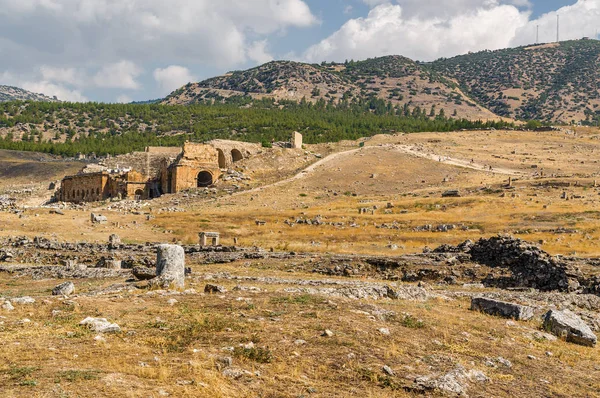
{"points": [[501, 308], [568, 325], [98, 219], [214, 289], [23, 300], [64, 289], [144, 273], [100, 325]]}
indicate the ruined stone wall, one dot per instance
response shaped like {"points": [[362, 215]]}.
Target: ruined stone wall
{"points": [[200, 153], [84, 188], [146, 163], [186, 176], [229, 152], [164, 150]]}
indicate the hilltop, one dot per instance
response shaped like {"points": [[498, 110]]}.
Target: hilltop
{"points": [[394, 79], [9, 93], [555, 82]]}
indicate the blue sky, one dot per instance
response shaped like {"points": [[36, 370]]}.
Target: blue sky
{"points": [[118, 51]]}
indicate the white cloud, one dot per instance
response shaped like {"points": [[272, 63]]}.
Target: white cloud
{"points": [[51, 89], [387, 30], [258, 52], [87, 35], [426, 29], [172, 77], [121, 74], [71, 76], [124, 99], [576, 21]]}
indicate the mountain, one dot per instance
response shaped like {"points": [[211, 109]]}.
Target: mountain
{"points": [[9, 93], [550, 82], [555, 82], [396, 79]]}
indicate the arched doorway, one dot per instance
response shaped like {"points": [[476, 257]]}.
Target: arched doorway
{"points": [[139, 194], [204, 179], [222, 159], [236, 155]]}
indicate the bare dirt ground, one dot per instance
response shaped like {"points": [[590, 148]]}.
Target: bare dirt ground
{"points": [[190, 343]]}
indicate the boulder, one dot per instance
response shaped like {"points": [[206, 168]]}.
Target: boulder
{"points": [[100, 325], [98, 219], [114, 241], [501, 308], [64, 289], [170, 265], [144, 273], [113, 264], [23, 300], [452, 193], [568, 325], [214, 289]]}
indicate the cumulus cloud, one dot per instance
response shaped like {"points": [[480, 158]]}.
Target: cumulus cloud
{"points": [[172, 77], [91, 34], [388, 29], [50, 89], [259, 53], [426, 30], [124, 99], [71, 76], [121, 74]]}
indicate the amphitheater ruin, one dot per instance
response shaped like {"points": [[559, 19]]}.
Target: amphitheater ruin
{"points": [[154, 172]]}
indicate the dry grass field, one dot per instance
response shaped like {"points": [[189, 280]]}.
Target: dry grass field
{"points": [[177, 348], [543, 167]]}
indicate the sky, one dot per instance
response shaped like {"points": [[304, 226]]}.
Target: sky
{"points": [[125, 50]]}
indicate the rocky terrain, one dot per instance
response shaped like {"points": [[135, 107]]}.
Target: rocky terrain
{"points": [[281, 318], [436, 264], [557, 83], [9, 93], [398, 80]]}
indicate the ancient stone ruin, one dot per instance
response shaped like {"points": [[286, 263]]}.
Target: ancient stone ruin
{"points": [[157, 171], [214, 238], [170, 265]]}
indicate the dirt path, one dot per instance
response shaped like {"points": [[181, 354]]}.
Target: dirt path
{"points": [[304, 173], [405, 149], [410, 150]]}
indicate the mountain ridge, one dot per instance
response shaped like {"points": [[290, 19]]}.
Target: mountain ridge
{"points": [[11, 93], [552, 82]]}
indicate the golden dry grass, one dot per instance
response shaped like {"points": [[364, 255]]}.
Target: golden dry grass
{"points": [[174, 348]]}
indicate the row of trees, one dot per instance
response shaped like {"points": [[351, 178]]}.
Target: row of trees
{"points": [[122, 128]]}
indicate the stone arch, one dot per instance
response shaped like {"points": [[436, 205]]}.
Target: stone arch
{"points": [[139, 194], [236, 155], [222, 159], [204, 179]]}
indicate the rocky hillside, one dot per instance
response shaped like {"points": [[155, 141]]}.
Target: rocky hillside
{"points": [[554, 82], [9, 93], [550, 82], [396, 79]]}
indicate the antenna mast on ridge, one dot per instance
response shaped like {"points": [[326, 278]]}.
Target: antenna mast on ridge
{"points": [[537, 35], [558, 28]]}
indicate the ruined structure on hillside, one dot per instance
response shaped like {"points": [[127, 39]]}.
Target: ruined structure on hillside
{"points": [[154, 172]]}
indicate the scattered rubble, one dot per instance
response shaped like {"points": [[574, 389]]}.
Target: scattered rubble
{"points": [[502, 308], [100, 325], [568, 325], [64, 289]]}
